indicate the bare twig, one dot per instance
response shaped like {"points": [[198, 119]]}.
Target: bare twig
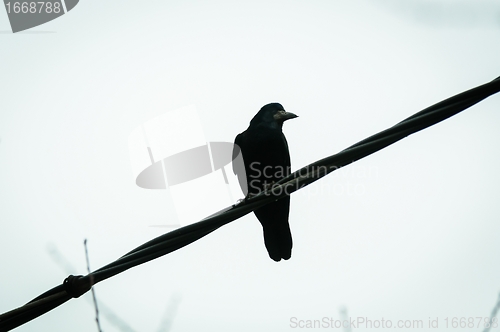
{"points": [[92, 289], [493, 316]]}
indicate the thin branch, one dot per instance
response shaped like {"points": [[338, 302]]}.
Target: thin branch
{"points": [[92, 289], [493, 321]]}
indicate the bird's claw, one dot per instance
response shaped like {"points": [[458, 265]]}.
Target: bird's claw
{"points": [[242, 200], [249, 196]]}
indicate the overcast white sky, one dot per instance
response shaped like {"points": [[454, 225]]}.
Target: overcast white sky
{"points": [[408, 233]]}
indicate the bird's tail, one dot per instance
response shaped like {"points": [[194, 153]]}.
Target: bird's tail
{"points": [[277, 235]]}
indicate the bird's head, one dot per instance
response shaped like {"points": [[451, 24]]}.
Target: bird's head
{"points": [[273, 115]]}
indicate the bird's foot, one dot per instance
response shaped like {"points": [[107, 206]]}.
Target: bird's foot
{"points": [[242, 200], [249, 196]]}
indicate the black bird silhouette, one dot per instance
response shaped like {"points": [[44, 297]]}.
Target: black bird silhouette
{"points": [[266, 160]]}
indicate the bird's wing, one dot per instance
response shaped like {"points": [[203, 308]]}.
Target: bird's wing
{"points": [[239, 164], [236, 151], [288, 163]]}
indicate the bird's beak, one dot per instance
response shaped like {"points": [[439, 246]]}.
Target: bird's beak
{"points": [[284, 115]]}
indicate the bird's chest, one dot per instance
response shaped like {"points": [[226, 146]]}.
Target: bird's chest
{"points": [[266, 159], [270, 150]]}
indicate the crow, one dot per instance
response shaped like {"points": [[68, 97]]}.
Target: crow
{"points": [[266, 160]]}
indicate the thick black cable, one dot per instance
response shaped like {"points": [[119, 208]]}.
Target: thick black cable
{"points": [[75, 286]]}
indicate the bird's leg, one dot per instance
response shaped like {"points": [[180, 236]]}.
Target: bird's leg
{"points": [[247, 197], [266, 186], [242, 200]]}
